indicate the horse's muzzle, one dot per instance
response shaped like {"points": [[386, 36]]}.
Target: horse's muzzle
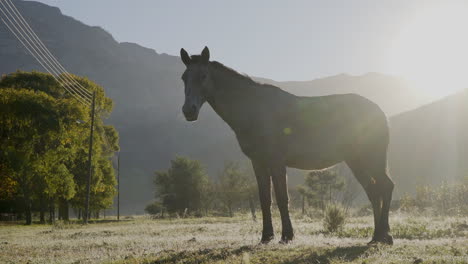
{"points": [[190, 113]]}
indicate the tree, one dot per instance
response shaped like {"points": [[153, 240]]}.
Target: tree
{"points": [[235, 186], [44, 147], [155, 208], [304, 192], [30, 124], [251, 189], [208, 195], [7, 184], [182, 186], [320, 186]]}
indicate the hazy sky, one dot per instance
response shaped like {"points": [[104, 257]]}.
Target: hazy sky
{"points": [[281, 40]]}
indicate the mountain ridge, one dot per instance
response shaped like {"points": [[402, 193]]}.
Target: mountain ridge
{"points": [[148, 94]]}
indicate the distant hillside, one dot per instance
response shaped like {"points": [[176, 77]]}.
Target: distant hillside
{"points": [[148, 95], [392, 94], [430, 144]]}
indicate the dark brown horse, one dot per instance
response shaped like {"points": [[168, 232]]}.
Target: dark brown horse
{"points": [[276, 130]]}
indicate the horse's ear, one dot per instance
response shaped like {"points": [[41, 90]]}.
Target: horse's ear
{"points": [[205, 54], [185, 57]]}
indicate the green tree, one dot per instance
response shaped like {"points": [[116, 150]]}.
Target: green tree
{"points": [[208, 195], [304, 192], [30, 126], [44, 148], [182, 186], [320, 186], [235, 186], [251, 189]]}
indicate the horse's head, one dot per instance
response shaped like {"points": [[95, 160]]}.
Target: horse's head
{"points": [[197, 81]]}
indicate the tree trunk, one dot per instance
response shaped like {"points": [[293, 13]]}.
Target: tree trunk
{"points": [[26, 198], [42, 215], [63, 210], [42, 204], [51, 211], [27, 209]]}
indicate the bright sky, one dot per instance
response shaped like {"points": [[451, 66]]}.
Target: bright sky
{"points": [[423, 41]]}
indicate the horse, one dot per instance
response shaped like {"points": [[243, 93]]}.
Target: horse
{"points": [[276, 130]]}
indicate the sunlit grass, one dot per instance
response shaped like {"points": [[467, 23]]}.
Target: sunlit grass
{"points": [[233, 240]]}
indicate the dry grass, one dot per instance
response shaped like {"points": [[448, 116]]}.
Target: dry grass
{"points": [[233, 240]]}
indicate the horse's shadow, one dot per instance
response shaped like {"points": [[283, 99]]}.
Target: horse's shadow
{"points": [[324, 257]]}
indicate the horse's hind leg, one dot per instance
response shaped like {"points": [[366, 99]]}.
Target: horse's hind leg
{"points": [[386, 190], [369, 185], [379, 187], [377, 167]]}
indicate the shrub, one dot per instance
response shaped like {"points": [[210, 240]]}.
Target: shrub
{"points": [[154, 208], [335, 217]]}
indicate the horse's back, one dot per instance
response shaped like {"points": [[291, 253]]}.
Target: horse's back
{"points": [[326, 130], [351, 112]]}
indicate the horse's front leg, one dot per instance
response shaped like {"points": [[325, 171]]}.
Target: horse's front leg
{"points": [[264, 189], [280, 183]]}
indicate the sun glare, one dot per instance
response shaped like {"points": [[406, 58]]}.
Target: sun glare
{"points": [[431, 51]]}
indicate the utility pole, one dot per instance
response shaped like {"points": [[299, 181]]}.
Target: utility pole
{"points": [[118, 186], [90, 156]]}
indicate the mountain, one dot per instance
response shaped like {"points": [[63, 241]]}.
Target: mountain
{"points": [[148, 95], [430, 144], [393, 94]]}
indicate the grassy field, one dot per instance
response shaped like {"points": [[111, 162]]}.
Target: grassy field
{"points": [[233, 240]]}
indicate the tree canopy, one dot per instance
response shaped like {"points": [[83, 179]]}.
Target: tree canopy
{"points": [[44, 136]]}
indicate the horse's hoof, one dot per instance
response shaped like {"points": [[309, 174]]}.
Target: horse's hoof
{"points": [[286, 239], [266, 239], [385, 239]]}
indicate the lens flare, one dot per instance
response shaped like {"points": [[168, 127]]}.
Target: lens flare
{"points": [[431, 51]]}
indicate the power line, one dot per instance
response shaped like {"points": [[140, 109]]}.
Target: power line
{"points": [[39, 51], [20, 17], [59, 66], [34, 50], [36, 47], [26, 40], [44, 57], [44, 66], [58, 72], [41, 63]]}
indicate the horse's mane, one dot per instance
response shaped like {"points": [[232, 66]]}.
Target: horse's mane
{"points": [[232, 72], [229, 71], [249, 82]]}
